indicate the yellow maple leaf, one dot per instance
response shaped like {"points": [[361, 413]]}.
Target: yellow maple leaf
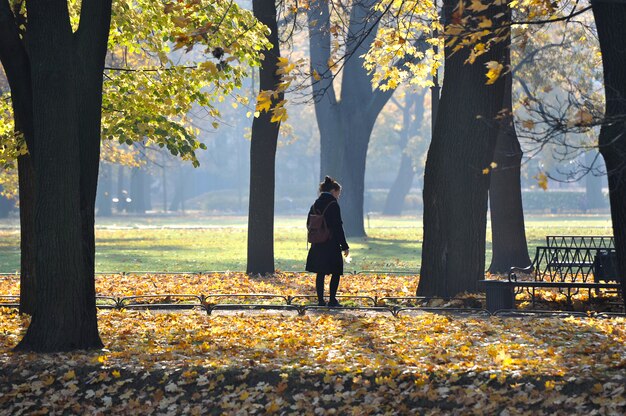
{"points": [[542, 180], [477, 6], [264, 101], [485, 22], [48, 380], [279, 114], [494, 70]]}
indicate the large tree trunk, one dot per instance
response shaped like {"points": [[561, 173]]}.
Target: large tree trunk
{"points": [[263, 155], [67, 93], [455, 187], [58, 315], [610, 18], [402, 184], [16, 64], [27, 234], [508, 234], [91, 50]]}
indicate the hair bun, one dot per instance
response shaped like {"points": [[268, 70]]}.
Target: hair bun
{"points": [[328, 179]]}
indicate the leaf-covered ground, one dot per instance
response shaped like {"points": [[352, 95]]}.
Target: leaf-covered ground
{"points": [[354, 290], [322, 363]]}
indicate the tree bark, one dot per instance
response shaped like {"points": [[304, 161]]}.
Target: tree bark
{"points": [[66, 75], [508, 234], [263, 155], [26, 177], [401, 186], [610, 17], [346, 124], [455, 187], [16, 64]]}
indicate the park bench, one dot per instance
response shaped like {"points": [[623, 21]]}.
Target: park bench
{"points": [[582, 241], [568, 264]]}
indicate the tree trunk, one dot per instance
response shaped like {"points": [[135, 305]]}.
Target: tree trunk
{"points": [[67, 96], [137, 192], [594, 199], [60, 288], [394, 204], [16, 64], [179, 192], [164, 184], [263, 155], [455, 187], [27, 234], [331, 144], [91, 50], [356, 140], [103, 201], [508, 234], [122, 192], [345, 125], [402, 184], [610, 18]]}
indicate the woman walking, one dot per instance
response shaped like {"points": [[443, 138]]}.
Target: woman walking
{"points": [[324, 257]]}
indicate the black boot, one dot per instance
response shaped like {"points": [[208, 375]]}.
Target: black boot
{"points": [[333, 303]]}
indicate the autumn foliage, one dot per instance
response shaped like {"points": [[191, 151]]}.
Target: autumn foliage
{"points": [[343, 362], [322, 363]]}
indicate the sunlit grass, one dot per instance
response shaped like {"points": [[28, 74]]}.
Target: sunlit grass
{"points": [[178, 244]]}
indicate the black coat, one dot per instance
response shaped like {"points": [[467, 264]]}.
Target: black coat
{"points": [[326, 257]]}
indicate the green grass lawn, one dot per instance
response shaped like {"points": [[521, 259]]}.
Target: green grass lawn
{"points": [[188, 243]]}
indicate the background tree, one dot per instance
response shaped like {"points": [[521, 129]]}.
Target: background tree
{"points": [[412, 120], [508, 233], [265, 128], [346, 119]]}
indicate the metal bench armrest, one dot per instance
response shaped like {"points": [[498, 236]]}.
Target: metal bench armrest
{"points": [[524, 270]]}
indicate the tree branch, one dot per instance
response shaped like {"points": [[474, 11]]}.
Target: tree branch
{"points": [[93, 30], [318, 19], [17, 68]]}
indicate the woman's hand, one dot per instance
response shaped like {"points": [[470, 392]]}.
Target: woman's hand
{"points": [[346, 253]]}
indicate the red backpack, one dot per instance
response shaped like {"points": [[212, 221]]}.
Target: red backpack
{"points": [[317, 230]]}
